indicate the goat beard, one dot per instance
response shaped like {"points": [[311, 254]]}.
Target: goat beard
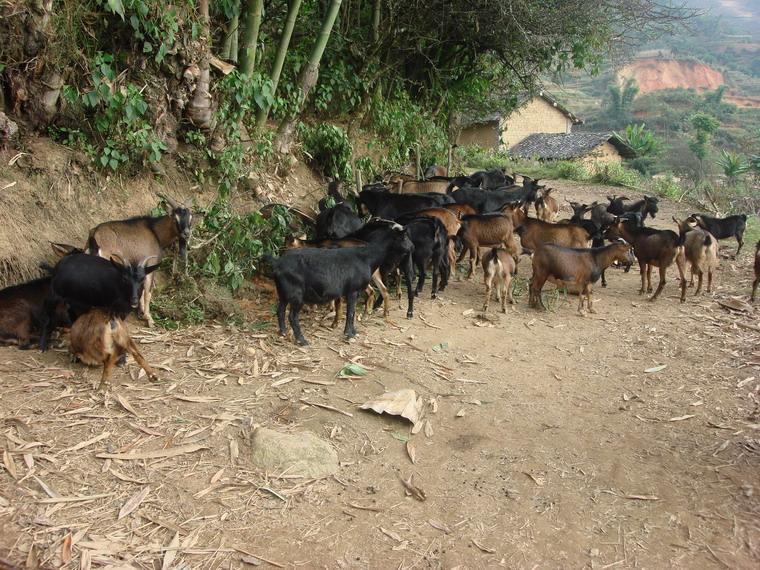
{"points": [[183, 249]]}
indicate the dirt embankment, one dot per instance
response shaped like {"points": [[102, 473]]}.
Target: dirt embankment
{"points": [[654, 74], [49, 193]]}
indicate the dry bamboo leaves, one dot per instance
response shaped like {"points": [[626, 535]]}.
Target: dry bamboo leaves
{"points": [[155, 454], [134, 501], [412, 489]]}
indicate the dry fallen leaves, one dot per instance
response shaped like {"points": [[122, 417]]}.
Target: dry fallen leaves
{"points": [[413, 489], [402, 403], [133, 502]]}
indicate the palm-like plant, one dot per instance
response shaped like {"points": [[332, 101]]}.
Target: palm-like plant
{"points": [[734, 165], [643, 142]]}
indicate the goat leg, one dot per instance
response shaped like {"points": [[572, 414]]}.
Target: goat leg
{"points": [[700, 275], [604, 278], [137, 355], [649, 278], [108, 366], [295, 323], [589, 301], [643, 272], [281, 318], [755, 283], [436, 269], [349, 331], [663, 270], [408, 276], [709, 280], [488, 282], [336, 319], [740, 241]]}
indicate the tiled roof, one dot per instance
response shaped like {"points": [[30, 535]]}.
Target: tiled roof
{"points": [[561, 146]]}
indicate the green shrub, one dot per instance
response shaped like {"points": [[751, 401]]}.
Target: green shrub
{"points": [[666, 186], [474, 157], [328, 150], [614, 174]]}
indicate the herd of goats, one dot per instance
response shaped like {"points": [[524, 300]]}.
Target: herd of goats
{"points": [[402, 226]]}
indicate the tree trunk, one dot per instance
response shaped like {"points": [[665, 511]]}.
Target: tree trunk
{"points": [[253, 9], [229, 47], [307, 80], [199, 107], [279, 60]]}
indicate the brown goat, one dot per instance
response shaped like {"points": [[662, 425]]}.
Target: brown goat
{"points": [[547, 207], [756, 282], [461, 209], [402, 186], [485, 230], [139, 238], [295, 243], [700, 250], [652, 248], [534, 233], [97, 339], [499, 266], [577, 267]]}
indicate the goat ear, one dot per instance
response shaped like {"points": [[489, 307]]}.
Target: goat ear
{"points": [[63, 249], [117, 261]]}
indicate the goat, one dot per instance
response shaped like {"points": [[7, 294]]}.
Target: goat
{"points": [[435, 170], [420, 186], [700, 250], [546, 206], [491, 179], [337, 222], [334, 195], [430, 240], [447, 217], [723, 228], [460, 209], [323, 275], [294, 243], [99, 338], [646, 206], [485, 230], [499, 265], [534, 233], [579, 267], [652, 248], [459, 182], [495, 200], [383, 204], [21, 308], [85, 281], [142, 237], [756, 282]]}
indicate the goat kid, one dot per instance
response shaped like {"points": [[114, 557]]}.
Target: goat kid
{"points": [[485, 230], [100, 339], [499, 266], [547, 207], [700, 250], [577, 267]]}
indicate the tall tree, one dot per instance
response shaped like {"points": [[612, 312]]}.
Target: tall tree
{"points": [[308, 79], [279, 60], [253, 10]]}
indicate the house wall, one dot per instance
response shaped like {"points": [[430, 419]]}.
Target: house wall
{"points": [[536, 116], [485, 135], [605, 152]]}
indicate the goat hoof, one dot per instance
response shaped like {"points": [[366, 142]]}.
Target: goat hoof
{"points": [[302, 342], [604, 284], [433, 296], [409, 315], [592, 311], [152, 377]]}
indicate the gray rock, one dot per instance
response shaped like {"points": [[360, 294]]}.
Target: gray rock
{"points": [[301, 453]]}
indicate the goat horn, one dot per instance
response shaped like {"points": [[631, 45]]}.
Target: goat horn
{"points": [[144, 262], [173, 203]]}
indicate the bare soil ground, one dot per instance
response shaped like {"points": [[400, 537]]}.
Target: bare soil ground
{"points": [[550, 446]]}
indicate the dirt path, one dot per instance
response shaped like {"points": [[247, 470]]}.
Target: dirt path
{"points": [[551, 446]]}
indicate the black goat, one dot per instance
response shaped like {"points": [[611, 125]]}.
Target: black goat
{"points": [[494, 200], [647, 206], [390, 206], [83, 282], [430, 240], [723, 228], [21, 308], [337, 222], [324, 275], [491, 179]]}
